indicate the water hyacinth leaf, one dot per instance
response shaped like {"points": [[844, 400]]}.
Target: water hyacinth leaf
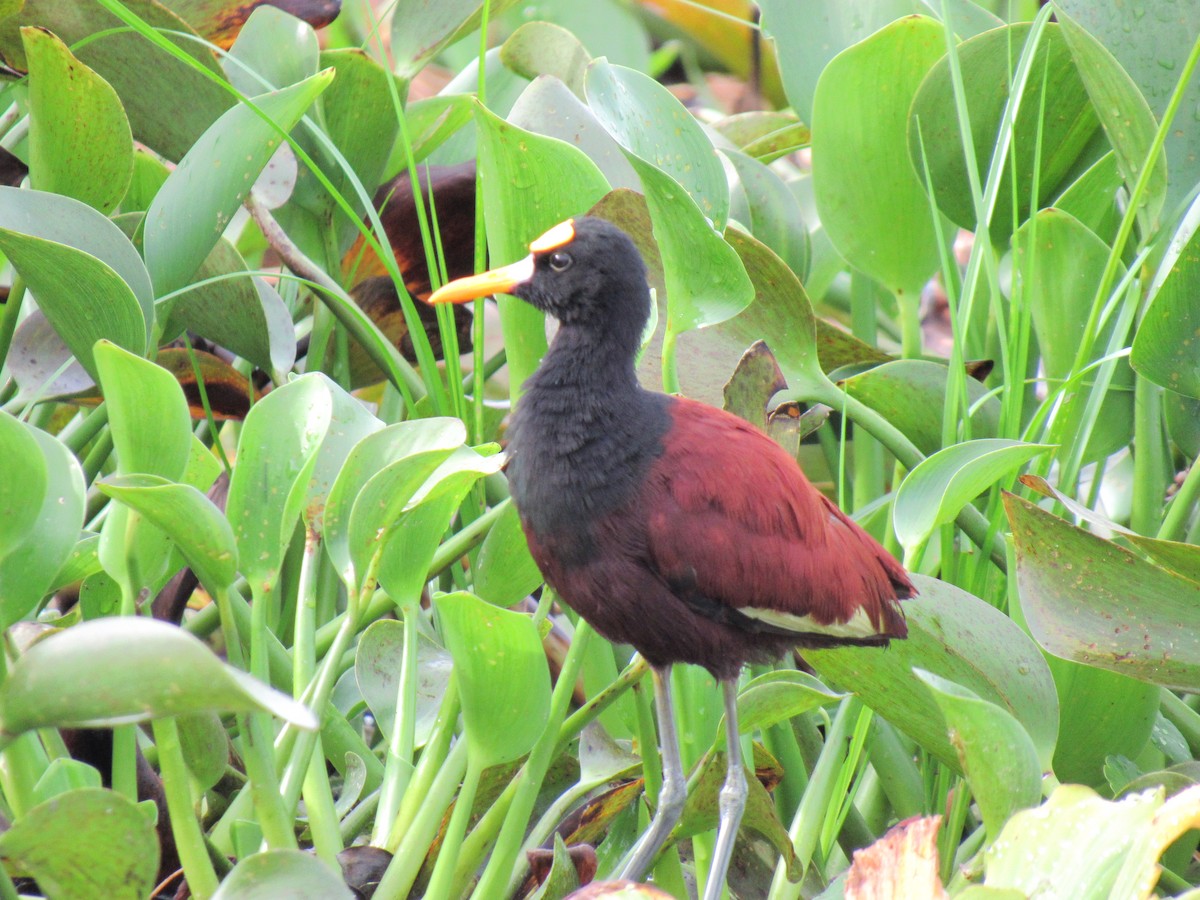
{"points": [[429, 440], [502, 676], [1088, 600], [1092, 198], [118, 850], [1123, 112], [64, 775], [41, 363], [119, 670], [239, 312], [871, 202], [377, 666], [530, 183], [998, 758], [137, 391], [142, 74], [190, 211], [420, 29], [205, 747], [961, 638], [1074, 845], [42, 549], [273, 50], [221, 21], [1061, 263], [74, 114], [903, 391], [1164, 348], [505, 572], [82, 561], [190, 519], [685, 190], [779, 696], [1047, 141], [23, 488], [283, 873], [765, 135], [543, 48], [936, 491], [276, 455], [771, 211], [411, 544]]}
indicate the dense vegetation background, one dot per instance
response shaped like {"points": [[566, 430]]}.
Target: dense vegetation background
{"points": [[966, 233]]}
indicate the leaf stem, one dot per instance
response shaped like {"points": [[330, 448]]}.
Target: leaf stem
{"points": [[189, 840]]}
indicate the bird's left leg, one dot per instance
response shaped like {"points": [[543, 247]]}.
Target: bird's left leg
{"points": [[732, 799]]}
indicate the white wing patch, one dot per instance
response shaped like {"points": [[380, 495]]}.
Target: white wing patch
{"points": [[857, 626]]}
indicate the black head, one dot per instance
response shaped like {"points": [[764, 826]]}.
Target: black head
{"points": [[585, 272]]}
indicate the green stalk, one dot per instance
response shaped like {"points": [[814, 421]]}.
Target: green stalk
{"points": [[80, 432], [278, 825], [189, 840], [1181, 505], [897, 773], [304, 641], [323, 822], [434, 758], [124, 761], [670, 367], [441, 882], [9, 314], [533, 773], [402, 740], [1150, 474]]}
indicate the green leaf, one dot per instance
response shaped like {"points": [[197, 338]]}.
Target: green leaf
{"points": [[998, 758], [1088, 600], [771, 212], [273, 50], [277, 451], [421, 29], [114, 852], [685, 189], [1061, 263], [543, 48], [1123, 112], [935, 492], [189, 518], [1164, 349], [872, 204], [505, 572], [74, 115], [30, 567], [124, 669], [530, 183], [191, 210], [778, 696], [205, 747], [1048, 138], [502, 676], [961, 638], [907, 391], [377, 665], [273, 874]]}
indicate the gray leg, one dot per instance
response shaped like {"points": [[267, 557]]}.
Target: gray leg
{"points": [[733, 796], [674, 787]]}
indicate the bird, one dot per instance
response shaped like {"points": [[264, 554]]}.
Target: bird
{"points": [[665, 523]]}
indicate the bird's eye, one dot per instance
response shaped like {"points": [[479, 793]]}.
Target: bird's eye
{"points": [[559, 260]]}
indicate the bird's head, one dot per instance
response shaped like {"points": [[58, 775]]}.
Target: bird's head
{"points": [[584, 271]]}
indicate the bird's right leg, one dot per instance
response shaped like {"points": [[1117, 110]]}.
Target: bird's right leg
{"points": [[674, 786]]}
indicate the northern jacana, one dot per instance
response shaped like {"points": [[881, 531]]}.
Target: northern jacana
{"points": [[667, 524]]}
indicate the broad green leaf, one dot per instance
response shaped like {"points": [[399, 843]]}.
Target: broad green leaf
{"points": [[1092, 198], [23, 488], [421, 29], [1088, 600], [115, 850], [191, 210], [543, 48], [765, 135], [609, 28], [1072, 846], [189, 518], [935, 492], [137, 391], [505, 573], [125, 669], [81, 562], [45, 544], [1164, 349], [378, 662], [502, 676], [809, 33], [276, 455], [273, 50], [63, 775], [998, 758], [243, 314], [1047, 140], [1123, 112], [74, 114], [779, 696], [1152, 49], [909, 393], [959, 637], [148, 80], [274, 874], [1061, 263], [771, 212], [530, 183], [871, 202], [685, 190], [205, 747]]}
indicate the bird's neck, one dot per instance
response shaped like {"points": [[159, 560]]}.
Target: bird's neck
{"points": [[599, 367]]}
